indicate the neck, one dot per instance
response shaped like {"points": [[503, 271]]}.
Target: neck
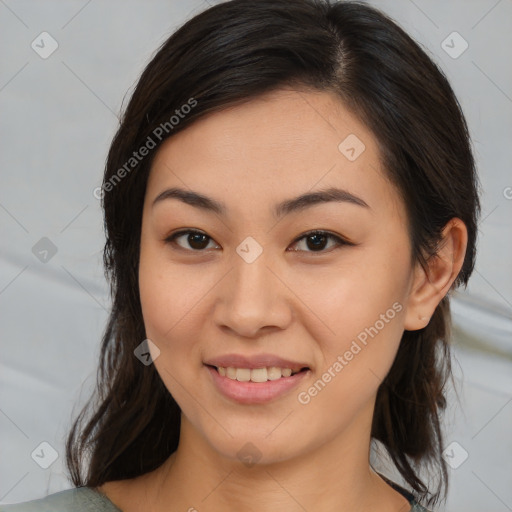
{"points": [[335, 476]]}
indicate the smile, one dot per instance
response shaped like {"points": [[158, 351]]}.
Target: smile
{"points": [[255, 385]]}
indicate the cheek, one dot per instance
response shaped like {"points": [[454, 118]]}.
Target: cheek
{"points": [[167, 291], [169, 300], [361, 307], [166, 295], [364, 311]]}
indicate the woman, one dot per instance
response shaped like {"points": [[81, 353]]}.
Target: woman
{"points": [[288, 201]]}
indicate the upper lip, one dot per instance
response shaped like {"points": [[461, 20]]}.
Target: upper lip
{"points": [[255, 361]]}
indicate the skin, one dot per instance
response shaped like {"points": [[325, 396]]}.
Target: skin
{"points": [[303, 305]]}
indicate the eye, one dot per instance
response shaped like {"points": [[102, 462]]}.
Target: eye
{"points": [[318, 240], [196, 240]]}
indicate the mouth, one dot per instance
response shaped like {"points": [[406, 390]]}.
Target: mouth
{"points": [[252, 386]]}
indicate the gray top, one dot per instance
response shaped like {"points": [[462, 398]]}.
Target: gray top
{"points": [[86, 499], [415, 506], [81, 499]]}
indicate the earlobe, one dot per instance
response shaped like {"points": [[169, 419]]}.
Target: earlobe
{"points": [[432, 283]]}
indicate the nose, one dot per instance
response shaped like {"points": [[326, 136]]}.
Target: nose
{"points": [[252, 299]]}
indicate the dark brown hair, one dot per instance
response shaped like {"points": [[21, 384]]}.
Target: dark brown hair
{"points": [[230, 54]]}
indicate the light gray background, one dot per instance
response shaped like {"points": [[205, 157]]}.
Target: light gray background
{"points": [[58, 116]]}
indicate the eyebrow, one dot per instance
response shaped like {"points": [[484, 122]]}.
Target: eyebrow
{"points": [[286, 207]]}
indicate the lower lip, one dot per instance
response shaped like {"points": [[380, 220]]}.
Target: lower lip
{"points": [[255, 392]]}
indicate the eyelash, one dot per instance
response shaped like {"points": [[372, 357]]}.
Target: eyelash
{"points": [[339, 240]]}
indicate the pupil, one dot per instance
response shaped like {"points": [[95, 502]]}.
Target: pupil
{"points": [[195, 241], [317, 244]]}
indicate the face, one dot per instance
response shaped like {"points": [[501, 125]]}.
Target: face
{"points": [[251, 278]]}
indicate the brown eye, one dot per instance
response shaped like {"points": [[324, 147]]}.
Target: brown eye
{"points": [[317, 241], [193, 240]]}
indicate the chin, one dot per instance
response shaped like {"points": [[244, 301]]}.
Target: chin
{"points": [[256, 446]]}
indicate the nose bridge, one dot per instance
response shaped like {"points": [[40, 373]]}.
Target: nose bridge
{"points": [[251, 276], [252, 289]]}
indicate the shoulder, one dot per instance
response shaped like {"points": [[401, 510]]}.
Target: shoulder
{"points": [[416, 507], [81, 499]]}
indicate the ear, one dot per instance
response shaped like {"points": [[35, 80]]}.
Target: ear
{"points": [[430, 286]]}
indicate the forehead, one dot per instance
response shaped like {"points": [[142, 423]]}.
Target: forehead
{"points": [[279, 145]]}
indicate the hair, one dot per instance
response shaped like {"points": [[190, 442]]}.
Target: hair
{"points": [[227, 55]]}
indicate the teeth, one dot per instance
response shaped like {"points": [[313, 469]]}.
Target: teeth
{"points": [[274, 373], [243, 374], [258, 375], [254, 374]]}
